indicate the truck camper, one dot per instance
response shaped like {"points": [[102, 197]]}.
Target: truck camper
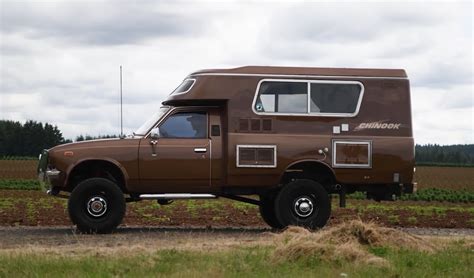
{"points": [[292, 136]]}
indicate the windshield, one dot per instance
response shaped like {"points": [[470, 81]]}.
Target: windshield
{"points": [[151, 121]]}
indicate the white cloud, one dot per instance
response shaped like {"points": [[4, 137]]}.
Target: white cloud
{"points": [[443, 116], [101, 23]]}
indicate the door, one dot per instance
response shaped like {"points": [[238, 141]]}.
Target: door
{"points": [[178, 158]]}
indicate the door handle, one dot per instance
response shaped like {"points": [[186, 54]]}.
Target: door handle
{"points": [[153, 147], [200, 150]]}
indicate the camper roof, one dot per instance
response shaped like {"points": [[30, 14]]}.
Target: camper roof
{"points": [[260, 70]]}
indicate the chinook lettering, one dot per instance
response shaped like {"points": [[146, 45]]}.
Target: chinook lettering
{"points": [[378, 125]]}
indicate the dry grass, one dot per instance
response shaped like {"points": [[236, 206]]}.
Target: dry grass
{"points": [[347, 241]]}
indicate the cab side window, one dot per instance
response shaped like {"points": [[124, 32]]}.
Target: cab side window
{"points": [[185, 125]]}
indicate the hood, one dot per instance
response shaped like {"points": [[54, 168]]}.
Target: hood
{"points": [[95, 144]]}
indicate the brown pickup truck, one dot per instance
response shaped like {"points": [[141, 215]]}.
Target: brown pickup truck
{"points": [[290, 135]]}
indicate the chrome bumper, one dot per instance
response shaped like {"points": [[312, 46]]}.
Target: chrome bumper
{"points": [[48, 177]]}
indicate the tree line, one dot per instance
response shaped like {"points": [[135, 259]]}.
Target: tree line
{"points": [[30, 138], [452, 154]]}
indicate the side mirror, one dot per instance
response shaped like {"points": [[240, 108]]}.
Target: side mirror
{"points": [[155, 133]]}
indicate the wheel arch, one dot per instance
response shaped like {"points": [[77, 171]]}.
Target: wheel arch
{"points": [[310, 169], [97, 167]]}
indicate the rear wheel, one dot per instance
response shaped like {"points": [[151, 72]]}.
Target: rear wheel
{"points": [[303, 203], [267, 210], [96, 205]]}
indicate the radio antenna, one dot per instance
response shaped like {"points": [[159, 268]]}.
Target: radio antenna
{"points": [[121, 110]]}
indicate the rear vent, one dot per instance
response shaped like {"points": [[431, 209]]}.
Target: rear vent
{"points": [[259, 156]]}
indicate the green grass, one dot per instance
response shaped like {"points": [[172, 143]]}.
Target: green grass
{"points": [[422, 209], [6, 203], [441, 195], [430, 194], [440, 164], [454, 261], [15, 184]]}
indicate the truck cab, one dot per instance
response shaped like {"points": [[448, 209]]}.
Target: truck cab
{"points": [[291, 136]]}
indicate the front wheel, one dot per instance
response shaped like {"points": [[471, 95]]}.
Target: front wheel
{"points": [[96, 205], [303, 203]]}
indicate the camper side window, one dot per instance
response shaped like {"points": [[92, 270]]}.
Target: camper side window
{"points": [[334, 98], [327, 98], [283, 97]]}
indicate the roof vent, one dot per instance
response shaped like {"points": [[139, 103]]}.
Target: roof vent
{"points": [[243, 125], [255, 125]]}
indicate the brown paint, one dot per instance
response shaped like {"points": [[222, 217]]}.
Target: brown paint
{"points": [[172, 166]]}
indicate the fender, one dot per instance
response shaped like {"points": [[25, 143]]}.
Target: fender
{"points": [[322, 163], [84, 160]]}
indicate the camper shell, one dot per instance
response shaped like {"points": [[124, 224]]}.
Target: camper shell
{"points": [[290, 135]]}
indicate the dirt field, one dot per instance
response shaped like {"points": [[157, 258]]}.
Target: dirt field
{"points": [[35, 208], [445, 177], [18, 169]]}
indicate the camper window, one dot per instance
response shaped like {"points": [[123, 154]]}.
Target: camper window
{"points": [[328, 98], [334, 98], [184, 87], [283, 97]]}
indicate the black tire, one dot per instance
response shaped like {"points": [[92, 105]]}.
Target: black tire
{"points": [[267, 210], [96, 205], [303, 203]]}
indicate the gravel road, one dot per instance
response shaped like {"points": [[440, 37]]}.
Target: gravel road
{"points": [[66, 237]]}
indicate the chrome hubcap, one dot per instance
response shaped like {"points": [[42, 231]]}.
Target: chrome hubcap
{"points": [[303, 207], [96, 206]]}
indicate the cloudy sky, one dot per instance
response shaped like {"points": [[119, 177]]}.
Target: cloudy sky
{"points": [[59, 60]]}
